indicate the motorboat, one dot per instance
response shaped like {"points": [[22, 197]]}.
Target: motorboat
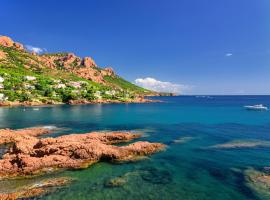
{"points": [[256, 107]]}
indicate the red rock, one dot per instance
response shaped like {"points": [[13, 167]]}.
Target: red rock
{"points": [[31, 155], [108, 71], [35, 189], [9, 136], [89, 62], [70, 60], [2, 55], [8, 42], [18, 45]]}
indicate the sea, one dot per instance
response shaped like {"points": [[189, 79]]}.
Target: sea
{"points": [[192, 167]]}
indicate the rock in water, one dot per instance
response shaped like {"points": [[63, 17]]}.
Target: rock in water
{"points": [[116, 182], [37, 189], [242, 144], [31, 155], [156, 176], [258, 182]]}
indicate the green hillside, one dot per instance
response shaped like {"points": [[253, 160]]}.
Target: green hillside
{"points": [[25, 77]]}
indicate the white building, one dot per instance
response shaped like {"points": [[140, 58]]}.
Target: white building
{"points": [[98, 95], [75, 84], [3, 97], [57, 81], [111, 92], [29, 87], [30, 78], [60, 85], [83, 82], [1, 79]]}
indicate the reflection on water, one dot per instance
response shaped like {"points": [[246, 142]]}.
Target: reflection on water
{"points": [[188, 169]]}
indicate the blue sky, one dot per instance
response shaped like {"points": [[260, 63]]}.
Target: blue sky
{"points": [[198, 47]]}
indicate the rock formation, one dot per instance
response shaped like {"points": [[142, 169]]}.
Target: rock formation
{"points": [[2, 55], [258, 182], [242, 144], [36, 189], [85, 68], [8, 42], [108, 71], [31, 155], [89, 62]]}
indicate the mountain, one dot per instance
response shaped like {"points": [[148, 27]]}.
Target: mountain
{"points": [[51, 78]]}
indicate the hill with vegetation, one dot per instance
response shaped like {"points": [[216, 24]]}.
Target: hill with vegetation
{"points": [[26, 77]]}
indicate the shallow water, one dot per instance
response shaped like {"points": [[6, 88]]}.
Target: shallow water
{"points": [[187, 170]]}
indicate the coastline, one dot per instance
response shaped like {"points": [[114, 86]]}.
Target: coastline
{"points": [[74, 102]]}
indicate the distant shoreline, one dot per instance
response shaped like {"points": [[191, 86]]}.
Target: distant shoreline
{"points": [[75, 102]]}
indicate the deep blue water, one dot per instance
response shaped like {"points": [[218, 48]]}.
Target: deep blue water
{"points": [[189, 170]]}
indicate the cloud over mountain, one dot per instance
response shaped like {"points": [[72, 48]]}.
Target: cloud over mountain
{"points": [[37, 50], [161, 86]]}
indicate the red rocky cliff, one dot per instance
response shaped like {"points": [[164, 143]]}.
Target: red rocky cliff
{"points": [[8, 42], [83, 67]]}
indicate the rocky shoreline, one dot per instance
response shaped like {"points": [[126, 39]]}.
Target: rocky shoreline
{"points": [[37, 189], [74, 102], [28, 155]]}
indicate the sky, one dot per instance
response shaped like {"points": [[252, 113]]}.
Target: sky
{"points": [[185, 46]]}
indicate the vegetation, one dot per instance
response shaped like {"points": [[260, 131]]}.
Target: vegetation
{"points": [[122, 83], [25, 78]]}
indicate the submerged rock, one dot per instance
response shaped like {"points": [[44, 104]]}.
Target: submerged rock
{"points": [[31, 155], [242, 144], [156, 176], [36, 189], [258, 182], [116, 182], [182, 140]]}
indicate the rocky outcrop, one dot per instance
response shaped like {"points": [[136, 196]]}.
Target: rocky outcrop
{"points": [[36, 189], [258, 182], [108, 71], [70, 60], [89, 73], [85, 68], [18, 45], [31, 155], [11, 136], [8, 42], [2, 55], [89, 62]]}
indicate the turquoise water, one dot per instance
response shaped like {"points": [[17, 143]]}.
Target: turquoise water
{"points": [[187, 170]]}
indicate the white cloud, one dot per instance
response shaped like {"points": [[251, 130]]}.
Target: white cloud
{"points": [[228, 54], [37, 50], [160, 86]]}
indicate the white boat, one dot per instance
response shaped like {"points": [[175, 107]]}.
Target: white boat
{"points": [[256, 107]]}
